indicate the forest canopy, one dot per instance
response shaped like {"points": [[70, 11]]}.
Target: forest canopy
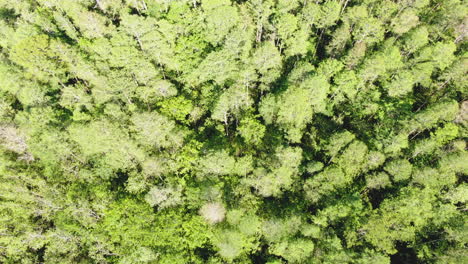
{"points": [[233, 131]]}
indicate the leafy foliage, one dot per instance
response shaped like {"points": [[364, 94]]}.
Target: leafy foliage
{"points": [[222, 131]]}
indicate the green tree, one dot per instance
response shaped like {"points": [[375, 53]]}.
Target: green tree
{"points": [[38, 57], [399, 169], [252, 130], [155, 130], [217, 131]]}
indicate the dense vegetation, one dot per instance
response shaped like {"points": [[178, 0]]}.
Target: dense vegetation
{"points": [[218, 131]]}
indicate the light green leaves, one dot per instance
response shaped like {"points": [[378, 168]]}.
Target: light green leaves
{"points": [[415, 39], [107, 142], [220, 18], [164, 197], [405, 21], [399, 219], [294, 112], [279, 174], [322, 15], [267, 61], [154, 131], [231, 103], [222, 131], [294, 251], [252, 130], [218, 163], [325, 183], [293, 109], [400, 84], [441, 54], [38, 58]]}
